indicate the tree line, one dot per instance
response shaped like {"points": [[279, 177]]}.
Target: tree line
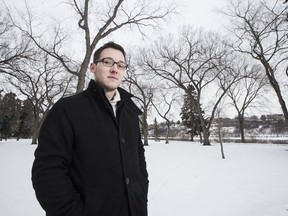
{"points": [[270, 125], [15, 117], [204, 71]]}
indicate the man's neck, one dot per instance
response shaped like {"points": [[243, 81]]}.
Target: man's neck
{"points": [[110, 94]]}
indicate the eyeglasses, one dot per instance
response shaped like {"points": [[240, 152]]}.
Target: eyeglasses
{"points": [[109, 62]]}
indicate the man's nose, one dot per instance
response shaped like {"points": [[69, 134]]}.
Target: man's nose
{"points": [[114, 68]]}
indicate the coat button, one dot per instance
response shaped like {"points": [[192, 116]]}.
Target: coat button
{"points": [[122, 140], [127, 180]]}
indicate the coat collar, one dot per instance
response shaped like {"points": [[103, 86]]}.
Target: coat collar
{"points": [[95, 87], [124, 95]]}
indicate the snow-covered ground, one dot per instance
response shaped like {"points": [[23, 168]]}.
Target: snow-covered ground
{"points": [[185, 179]]}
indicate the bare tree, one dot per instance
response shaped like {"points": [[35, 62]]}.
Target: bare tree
{"points": [[220, 130], [260, 29], [42, 82], [195, 59], [13, 45], [95, 25], [245, 92], [143, 92], [164, 106]]}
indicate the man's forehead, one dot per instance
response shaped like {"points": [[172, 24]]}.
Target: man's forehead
{"points": [[112, 51]]}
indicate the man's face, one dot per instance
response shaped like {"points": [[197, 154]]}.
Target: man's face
{"points": [[109, 77]]}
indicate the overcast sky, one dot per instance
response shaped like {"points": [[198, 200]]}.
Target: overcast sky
{"points": [[194, 12], [191, 12]]}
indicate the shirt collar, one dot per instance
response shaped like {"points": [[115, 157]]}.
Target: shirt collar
{"points": [[116, 97]]}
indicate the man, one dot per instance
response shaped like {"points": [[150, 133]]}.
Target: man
{"points": [[90, 157]]}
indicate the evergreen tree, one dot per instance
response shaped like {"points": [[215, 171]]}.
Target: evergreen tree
{"points": [[10, 113], [189, 115], [156, 130], [26, 124]]}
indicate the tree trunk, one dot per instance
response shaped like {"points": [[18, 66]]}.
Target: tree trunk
{"points": [[192, 130], [34, 138], [192, 136], [83, 70], [167, 133], [201, 138], [35, 132], [145, 128], [220, 141], [36, 128], [241, 125], [282, 102], [205, 129], [145, 136], [222, 150], [80, 84], [206, 137], [275, 86]]}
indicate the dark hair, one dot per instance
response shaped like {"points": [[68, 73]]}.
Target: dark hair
{"points": [[110, 44]]}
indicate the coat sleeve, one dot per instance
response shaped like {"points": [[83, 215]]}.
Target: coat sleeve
{"points": [[143, 169], [141, 150], [50, 172], [141, 156]]}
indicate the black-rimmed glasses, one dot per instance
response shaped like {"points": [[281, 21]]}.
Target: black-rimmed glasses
{"points": [[109, 62]]}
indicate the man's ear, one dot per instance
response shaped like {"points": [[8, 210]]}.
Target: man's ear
{"points": [[92, 67]]}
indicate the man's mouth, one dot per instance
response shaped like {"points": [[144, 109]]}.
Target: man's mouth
{"points": [[112, 77]]}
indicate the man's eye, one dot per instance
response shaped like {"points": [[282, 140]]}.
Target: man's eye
{"points": [[121, 65], [107, 61]]}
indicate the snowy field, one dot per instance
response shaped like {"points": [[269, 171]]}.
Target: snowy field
{"points": [[186, 179]]}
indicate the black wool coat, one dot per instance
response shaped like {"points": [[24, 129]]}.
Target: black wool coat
{"points": [[89, 163]]}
